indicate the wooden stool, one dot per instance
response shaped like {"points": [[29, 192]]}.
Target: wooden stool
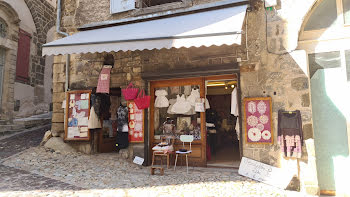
{"points": [[161, 154], [161, 170]]}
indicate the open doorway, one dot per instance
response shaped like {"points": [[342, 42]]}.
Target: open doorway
{"points": [[222, 138]]}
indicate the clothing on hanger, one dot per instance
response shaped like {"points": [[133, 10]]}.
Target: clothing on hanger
{"points": [[193, 97], [122, 119], [161, 100], [290, 133], [104, 80], [122, 140], [182, 106], [94, 121], [234, 103]]}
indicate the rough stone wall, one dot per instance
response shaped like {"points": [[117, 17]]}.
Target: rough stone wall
{"points": [[276, 70], [44, 17]]}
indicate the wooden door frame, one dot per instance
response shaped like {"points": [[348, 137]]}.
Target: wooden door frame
{"points": [[182, 82]]}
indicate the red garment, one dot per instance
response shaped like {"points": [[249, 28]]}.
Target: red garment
{"points": [[104, 81]]}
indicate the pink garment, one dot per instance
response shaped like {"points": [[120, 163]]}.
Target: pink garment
{"points": [[104, 81]]}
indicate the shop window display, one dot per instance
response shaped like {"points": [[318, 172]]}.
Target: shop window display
{"points": [[174, 112]]}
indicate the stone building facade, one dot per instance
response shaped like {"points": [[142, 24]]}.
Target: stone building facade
{"points": [[270, 64], [30, 21]]}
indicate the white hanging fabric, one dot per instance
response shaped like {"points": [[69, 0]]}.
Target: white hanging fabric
{"points": [[181, 106], [207, 106], [237, 128], [161, 100], [234, 110], [94, 121], [193, 97], [234, 102]]}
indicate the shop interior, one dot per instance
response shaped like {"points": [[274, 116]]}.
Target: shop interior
{"points": [[222, 139]]}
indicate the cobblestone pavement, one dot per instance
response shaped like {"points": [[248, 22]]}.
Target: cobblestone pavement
{"points": [[110, 175], [10, 145], [13, 179]]}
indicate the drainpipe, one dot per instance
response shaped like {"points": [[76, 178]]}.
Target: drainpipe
{"points": [[58, 25]]}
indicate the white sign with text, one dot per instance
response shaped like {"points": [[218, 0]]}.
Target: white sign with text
{"points": [[138, 160], [264, 173]]}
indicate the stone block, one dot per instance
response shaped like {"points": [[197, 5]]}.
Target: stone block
{"points": [[247, 68], [57, 126], [58, 97], [57, 117], [57, 144], [58, 87], [305, 100], [138, 150], [57, 107], [46, 137], [300, 83], [58, 68], [307, 131], [136, 70]]}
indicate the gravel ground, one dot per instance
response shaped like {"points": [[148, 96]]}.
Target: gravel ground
{"points": [[78, 174]]}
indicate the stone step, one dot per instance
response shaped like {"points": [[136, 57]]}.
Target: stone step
{"points": [[32, 123], [10, 129]]}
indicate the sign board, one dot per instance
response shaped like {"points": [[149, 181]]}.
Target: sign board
{"points": [[138, 160], [265, 173], [77, 115], [136, 126], [258, 120]]}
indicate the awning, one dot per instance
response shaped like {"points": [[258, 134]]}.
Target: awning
{"points": [[215, 27]]}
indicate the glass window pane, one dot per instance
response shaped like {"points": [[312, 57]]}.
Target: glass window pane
{"points": [[3, 28], [346, 10], [173, 113], [347, 57], [324, 16], [323, 61]]}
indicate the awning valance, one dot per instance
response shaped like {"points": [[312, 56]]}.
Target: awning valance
{"points": [[215, 27]]}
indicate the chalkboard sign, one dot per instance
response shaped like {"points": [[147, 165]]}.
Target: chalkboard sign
{"points": [[77, 115], [265, 173]]}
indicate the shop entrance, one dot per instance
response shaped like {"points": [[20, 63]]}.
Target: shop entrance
{"points": [[222, 138]]}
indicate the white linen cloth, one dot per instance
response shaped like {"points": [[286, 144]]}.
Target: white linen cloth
{"points": [[182, 106], [193, 97], [234, 103], [161, 100]]}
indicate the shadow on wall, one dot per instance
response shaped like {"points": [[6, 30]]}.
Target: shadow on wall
{"points": [[330, 128]]}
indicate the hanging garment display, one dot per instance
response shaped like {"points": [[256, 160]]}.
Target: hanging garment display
{"points": [[104, 80], [193, 97], [122, 128], [207, 105], [161, 100], [199, 105], [122, 117], [181, 106], [94, 122], [290, 133], [187, 90], [171, 104], [234, 103]]}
